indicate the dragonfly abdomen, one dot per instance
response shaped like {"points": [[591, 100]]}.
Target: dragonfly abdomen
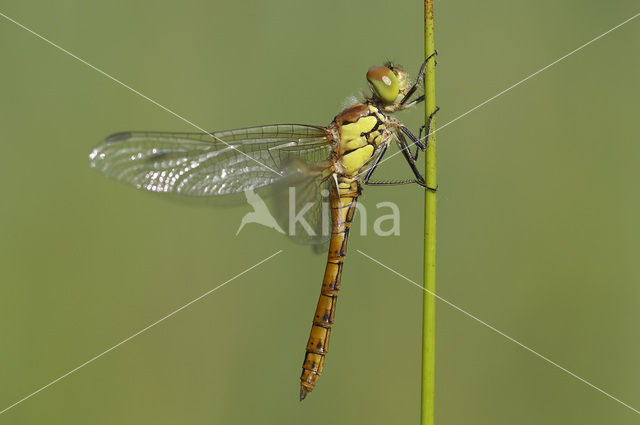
{"points": [[343, 205]]}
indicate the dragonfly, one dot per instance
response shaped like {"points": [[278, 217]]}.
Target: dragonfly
{"points": [[337, 160]]}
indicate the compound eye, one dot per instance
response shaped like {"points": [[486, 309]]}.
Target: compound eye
{"points": [[384, 83]]}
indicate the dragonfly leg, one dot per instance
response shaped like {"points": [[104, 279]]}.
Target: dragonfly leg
{"points": [[411, 160], [367, 178], [374, 166], [426, 142], [400, 182], [404, 147], [415, 85], [413, 102], [418, 141]]}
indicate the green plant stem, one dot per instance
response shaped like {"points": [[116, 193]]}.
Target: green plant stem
{"points": [[428, 304]]}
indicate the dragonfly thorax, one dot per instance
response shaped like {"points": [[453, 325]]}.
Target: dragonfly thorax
{"points": [[359, 132]]}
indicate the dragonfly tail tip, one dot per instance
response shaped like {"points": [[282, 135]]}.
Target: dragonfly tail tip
{"points": [[303, 393]]}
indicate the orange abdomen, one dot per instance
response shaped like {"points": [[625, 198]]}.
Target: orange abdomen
{"points": [[343, 204]]}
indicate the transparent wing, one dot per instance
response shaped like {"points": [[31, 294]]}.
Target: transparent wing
{"points": [[300, 205], [206, 164]]}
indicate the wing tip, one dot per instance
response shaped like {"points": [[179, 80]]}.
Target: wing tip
{"points": [[118, 137]]}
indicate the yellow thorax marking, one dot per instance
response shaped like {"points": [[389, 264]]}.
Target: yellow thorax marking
{"points": [[351, 134], [352, 144], [354, 160]]}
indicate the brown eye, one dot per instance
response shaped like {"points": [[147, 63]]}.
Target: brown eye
{"points": [[384, 83]]}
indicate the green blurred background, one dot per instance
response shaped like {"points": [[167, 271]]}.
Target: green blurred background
{"points": [[538, 207]]}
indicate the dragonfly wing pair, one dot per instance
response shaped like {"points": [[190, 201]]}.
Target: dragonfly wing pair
{"points": [[273, 157]]}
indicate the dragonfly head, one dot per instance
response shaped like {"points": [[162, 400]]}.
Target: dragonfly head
{"points": [[388, 83]]}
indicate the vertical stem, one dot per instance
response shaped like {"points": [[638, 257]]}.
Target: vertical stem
{"points": [[428, 304]]}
